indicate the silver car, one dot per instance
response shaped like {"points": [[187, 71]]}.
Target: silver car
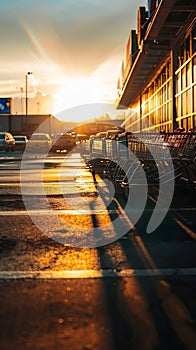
{"points": [[39, 142]]}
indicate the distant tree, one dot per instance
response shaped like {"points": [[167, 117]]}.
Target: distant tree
{"points": [[103, 117], [121, 115], [107, 116]]}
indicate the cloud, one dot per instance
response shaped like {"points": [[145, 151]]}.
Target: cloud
{"points": [[80, 34], [73, 37]]}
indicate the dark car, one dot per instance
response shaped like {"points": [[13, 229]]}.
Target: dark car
{"points": [[20, 142], [64, 141], [7, 142]]}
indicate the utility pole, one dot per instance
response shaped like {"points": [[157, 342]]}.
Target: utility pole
{"points": [[26, 88]]}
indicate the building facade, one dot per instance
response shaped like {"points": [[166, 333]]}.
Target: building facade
{"points": [[157, 81], [27, 125]]}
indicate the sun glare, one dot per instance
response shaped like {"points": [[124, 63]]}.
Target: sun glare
{"points": [[77, 91]]}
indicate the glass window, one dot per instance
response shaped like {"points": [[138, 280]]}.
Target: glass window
{"points": [[194, 121], [178, 85], [189, 122], [181, 55], [183, 123], [178, 101], [168, 91], [163, 75], [194, 69], [194, 98], [183, 78], [187, 48], [194, 40], [168, 112], [184, 104], [163, 92], [168, 71], [188, 102], [188, 74]]}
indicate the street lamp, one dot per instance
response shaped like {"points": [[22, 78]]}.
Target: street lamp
{"points": [[26, 88]]}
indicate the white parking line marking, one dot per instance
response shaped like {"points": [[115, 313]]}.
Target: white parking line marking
{"points": [[76, 211], [70, 274], [41, 184], [48, 212]]}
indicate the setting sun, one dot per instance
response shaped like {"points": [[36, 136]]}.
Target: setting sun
{"points": [[77, 91]]}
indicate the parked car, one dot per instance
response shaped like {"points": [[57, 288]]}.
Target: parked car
{"points": [[7, 142], [20, 142], [39, 142], [64, 141]]}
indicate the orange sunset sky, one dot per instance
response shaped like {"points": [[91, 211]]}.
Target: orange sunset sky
{"points": [[74, 49]]}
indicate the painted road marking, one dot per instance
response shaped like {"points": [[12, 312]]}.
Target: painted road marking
{"points": [[39, 183], [71, 274], [61, 211], [75, 211]]}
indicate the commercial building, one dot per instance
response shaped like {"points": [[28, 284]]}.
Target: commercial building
{"points": [[158, 75], [27, 125]]}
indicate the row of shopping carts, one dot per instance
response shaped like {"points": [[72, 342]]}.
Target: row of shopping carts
{"points": [[127, 156]]}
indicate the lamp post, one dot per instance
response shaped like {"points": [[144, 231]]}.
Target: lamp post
{"points": [[26, 88]]}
